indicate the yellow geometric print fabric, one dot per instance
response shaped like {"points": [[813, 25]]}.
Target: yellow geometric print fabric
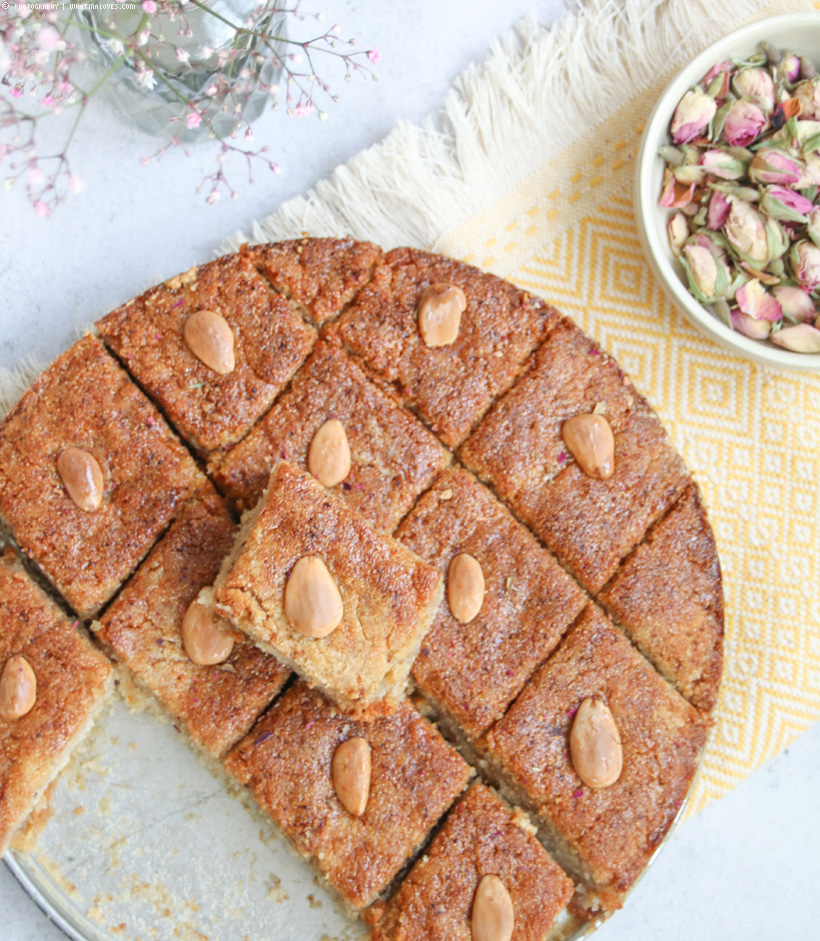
{"points": [[750, 434]]}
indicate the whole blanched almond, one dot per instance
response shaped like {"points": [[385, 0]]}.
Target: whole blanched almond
{"points": [[18, 688], [203, 639], [590, 441], [595, 745], [465, 587], [313, 605], [329, 456], [493, 918], [82, 478], [351, 770], [210, 339], [439, 310]]}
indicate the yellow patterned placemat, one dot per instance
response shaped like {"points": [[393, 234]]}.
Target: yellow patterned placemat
{"points": [[752, 434]]}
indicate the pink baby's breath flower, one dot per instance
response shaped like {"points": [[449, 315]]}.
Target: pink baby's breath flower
{"points": [[48, 38], [76, 184], [48, 101], [182, 56], [16, 92], [34, 176], [41, 208], [193, 120], [374, 55], [149, 6], [295, 58]]}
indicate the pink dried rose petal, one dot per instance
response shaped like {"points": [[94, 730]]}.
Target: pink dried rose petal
{"points": [[796, 303], [692, 116], [749, 327], [718, 211], [675, 195], [801, 338], [753, 299]]}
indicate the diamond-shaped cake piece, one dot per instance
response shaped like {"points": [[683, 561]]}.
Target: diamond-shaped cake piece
{"points": [[312, 582], [287, 763], [518, 447], [605, 835], [472, 671], [393, 457], [71, 681], [210, 408], [85, 402], [319, 275], [216, 703], [449, 386], [668, 597], [589, 523], [480, 839]]}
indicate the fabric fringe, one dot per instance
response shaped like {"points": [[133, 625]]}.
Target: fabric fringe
{"points": [[539, 89]]}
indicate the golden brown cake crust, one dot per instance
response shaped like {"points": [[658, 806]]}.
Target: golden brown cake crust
{"points": [[389, 595], [320, 276], [286, 762], [450, 387], [668, 596], [271, 340], [480, 837], [72, 680], [394, 457], [217, 704], [475, 670], [85, 400], [617, 828]]}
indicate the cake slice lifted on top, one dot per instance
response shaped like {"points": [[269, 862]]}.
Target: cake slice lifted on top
{"points": [[313, 583]]}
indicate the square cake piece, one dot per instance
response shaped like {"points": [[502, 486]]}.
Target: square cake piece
{"points": [[287, 762], [668, 597], [472, 671], [320, 276], [481, 837], [450, 386], [393, 457], [161, 338], [312, 582], [85, 404], [71, 682], [216, 703], [604, 835]]}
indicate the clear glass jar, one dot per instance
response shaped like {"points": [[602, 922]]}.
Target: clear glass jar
{"points": [[158, 104]]}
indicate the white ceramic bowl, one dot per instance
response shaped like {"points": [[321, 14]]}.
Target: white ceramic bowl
{"points": [[798, 32]]}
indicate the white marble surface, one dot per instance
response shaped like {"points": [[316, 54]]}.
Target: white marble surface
{"points": [[746, 867]]}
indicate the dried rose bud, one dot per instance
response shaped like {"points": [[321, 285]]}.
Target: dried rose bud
{"points": [[755, 83], [753, 299], [718, 211], [708, 275], [692, 116], [720, 68], [805, 261], [678, 231], [785, 204], [749, 327], [745, 231], [796, 304], [790, 67], [775, 166], [744, 121], [802, 338], [722, 165], [808, 94]]}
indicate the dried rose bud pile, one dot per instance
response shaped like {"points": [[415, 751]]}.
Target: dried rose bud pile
{"points": [[744, 176]]}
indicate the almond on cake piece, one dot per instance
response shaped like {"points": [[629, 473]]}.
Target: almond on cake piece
{"points": [[53, 684], [311, 581]]}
